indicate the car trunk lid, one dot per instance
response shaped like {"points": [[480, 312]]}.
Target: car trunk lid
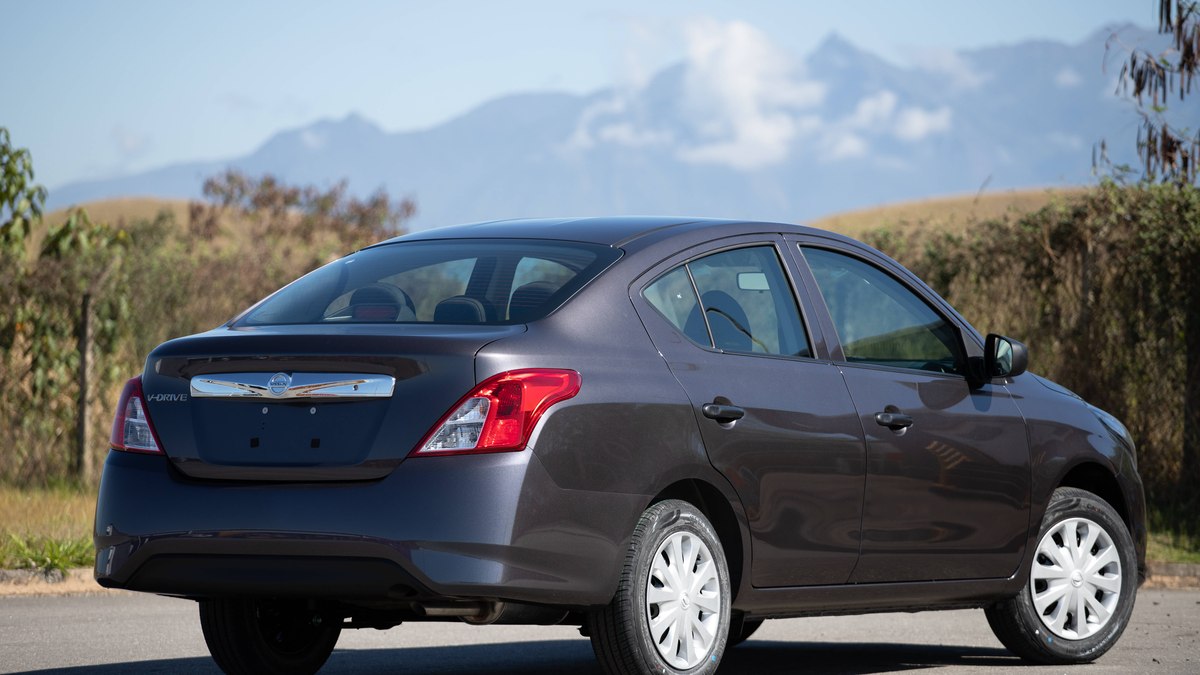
{"points": [[307, 403]]}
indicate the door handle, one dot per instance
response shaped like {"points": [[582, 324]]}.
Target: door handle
{"points": [[893, 420], [723, 414]]}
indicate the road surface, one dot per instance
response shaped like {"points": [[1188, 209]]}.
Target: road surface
{"points": [[131, 633]]}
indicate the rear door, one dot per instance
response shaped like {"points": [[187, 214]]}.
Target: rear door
{"points": [[775, 415], [947, 485]]}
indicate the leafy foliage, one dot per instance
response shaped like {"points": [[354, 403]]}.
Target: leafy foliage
{"points": [[47, 554], [20, 199]]}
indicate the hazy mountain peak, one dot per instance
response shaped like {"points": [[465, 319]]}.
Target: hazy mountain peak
{"points": [[353, 130], [836, 43], [836, 53], [352, 126]]}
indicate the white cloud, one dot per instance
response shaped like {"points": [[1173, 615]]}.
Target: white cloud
{"points": [[880, 114], [581, 138], [808, 124], [743, 92], [748, 105], [874, 111], [914, 124], [745, 101], [1067, 78], [845, 146], [961, 72]]}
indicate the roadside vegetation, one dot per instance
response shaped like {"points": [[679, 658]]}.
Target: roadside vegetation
{"points": [[47, 528]]}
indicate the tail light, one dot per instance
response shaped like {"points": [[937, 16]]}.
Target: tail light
{"points": [[499, 414], [132, 430]]}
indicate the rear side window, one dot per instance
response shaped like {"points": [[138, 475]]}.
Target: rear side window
{"points": [[675, 298], [486, 282], [737, 301], [879, 320]]}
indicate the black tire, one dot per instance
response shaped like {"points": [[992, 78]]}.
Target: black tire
{"points": [[748, 628], [622, 635], [1057, 634], [250, 636]]}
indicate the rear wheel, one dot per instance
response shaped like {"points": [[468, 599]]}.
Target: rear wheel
{"points": [[252, 636], [1081, 588], [671, 610]]}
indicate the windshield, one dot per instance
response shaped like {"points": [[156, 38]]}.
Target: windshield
{"points": [[477, 281]]}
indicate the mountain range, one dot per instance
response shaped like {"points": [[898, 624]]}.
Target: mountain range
{"points": [[740, 130]]}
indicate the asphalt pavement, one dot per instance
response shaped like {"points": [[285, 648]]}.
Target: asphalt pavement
{"points": [[132, 633]]}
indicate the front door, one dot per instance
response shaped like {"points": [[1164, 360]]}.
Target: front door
{"points": [[947, 488]]}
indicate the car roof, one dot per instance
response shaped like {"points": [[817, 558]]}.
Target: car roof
{"points": [[615, 231]]}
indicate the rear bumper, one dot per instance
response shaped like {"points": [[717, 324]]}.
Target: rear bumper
{"points": [[206, 575], [468, 527]]}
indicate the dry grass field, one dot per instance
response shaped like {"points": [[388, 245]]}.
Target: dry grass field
{"points": [[45, 528], [116, 211], [112, 211], [234, 234], [59, 513], [955, 213]]}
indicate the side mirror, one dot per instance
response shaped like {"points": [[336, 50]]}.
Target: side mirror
{"points": [[1004, 357]]}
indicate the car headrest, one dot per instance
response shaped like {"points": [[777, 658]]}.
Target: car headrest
{"points": [[527, 301], [382, 302], [459, 309]]}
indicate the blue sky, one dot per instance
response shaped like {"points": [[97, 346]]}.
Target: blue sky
{"points": [[98, 89]]}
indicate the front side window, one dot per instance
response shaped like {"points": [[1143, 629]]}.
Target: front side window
{"points": [[737, 301], [450, 281], [879, 320]]}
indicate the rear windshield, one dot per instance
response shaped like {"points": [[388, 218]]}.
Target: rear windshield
{"points": [[473, 281]]}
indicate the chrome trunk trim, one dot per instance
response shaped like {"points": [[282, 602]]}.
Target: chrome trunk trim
{"points": [[285, 386]]}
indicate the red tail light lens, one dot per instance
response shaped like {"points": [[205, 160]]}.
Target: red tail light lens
{"points": [[132, 430], [499, 414]]}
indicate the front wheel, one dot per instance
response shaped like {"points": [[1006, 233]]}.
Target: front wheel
{"points": [[1081, 588], [251, 636], [671, 610]]}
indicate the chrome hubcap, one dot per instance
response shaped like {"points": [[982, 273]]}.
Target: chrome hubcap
{"points": [[683, 600], [1075, 583]]}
